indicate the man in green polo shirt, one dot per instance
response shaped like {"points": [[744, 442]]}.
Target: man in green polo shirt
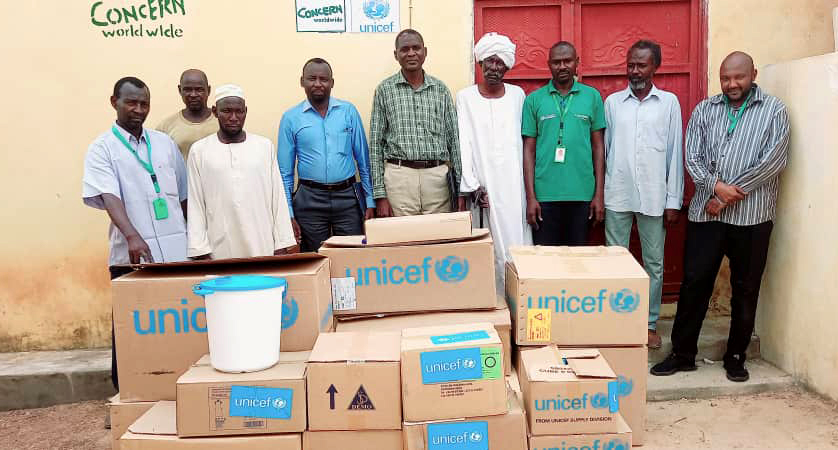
{"points": [[564, 155]]}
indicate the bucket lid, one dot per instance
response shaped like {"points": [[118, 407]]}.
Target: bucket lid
{"points": [[239, 283]]}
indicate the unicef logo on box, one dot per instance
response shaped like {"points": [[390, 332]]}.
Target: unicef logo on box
{"points": [[451, 269], [616, 444], [290, 313], [376, 9], [624, 301]]}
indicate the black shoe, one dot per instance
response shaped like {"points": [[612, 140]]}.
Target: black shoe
{"points": [[735, 369], [672, 364]]}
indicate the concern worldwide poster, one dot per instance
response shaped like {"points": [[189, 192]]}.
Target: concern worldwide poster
{"points": [[356, 16]]}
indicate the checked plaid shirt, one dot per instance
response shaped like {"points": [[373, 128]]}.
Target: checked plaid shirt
{"points": [[414, 125]]}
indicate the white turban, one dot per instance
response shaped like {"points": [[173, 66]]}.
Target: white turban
{"points": [[495, 44], [228, 90]]}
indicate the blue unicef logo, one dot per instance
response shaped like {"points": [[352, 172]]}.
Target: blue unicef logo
{"points": [[290, 313], [624, 301], [616, 444], [451, 269], [599, 400], [376, 9], [624, 386]]}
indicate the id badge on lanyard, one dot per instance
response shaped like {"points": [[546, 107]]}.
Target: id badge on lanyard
{"points": [[561, 150], [161, 209]]}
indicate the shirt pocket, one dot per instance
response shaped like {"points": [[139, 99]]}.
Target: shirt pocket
{"points": [[656, 132], [582, 120], [431, 119]]}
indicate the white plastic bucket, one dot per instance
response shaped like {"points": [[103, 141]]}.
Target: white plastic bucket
{"points": [[244, 321]]}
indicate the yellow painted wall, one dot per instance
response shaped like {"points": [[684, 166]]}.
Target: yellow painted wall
{"points": [[58, 72], [797, 314]]}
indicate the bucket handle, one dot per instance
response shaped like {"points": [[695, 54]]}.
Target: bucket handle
{"points": [[198, 290]]}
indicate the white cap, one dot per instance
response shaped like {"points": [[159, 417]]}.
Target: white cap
{"points": [[228, 90]]}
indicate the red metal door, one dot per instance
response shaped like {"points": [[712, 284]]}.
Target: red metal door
{"points": [[603, 31]]}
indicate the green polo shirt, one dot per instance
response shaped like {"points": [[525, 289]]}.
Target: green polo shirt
{"points": [[573, 179]]}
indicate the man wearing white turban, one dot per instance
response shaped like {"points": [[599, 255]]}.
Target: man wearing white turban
{"points": [[240, 209], [489, 119]]}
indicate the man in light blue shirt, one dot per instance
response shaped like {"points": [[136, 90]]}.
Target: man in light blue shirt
{"points": [[644, 178], [325, 138]]}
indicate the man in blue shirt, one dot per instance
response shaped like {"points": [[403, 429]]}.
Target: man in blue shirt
{"points": [[325, 137]]}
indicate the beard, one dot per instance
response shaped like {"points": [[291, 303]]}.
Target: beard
{"points": [[638, 85]]}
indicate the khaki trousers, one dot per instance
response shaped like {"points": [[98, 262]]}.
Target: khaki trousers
{"points": [[417, 191]]}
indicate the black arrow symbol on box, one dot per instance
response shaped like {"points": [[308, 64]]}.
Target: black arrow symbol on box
{"points": [[331, 391]]}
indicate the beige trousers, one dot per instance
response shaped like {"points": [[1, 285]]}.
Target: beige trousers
{"points": [[417, 191]]}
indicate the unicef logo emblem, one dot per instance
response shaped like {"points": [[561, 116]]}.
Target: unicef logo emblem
{"points": [[475, 436], [280, 403], [616, 444], [599, 400], [290, 312], [451, 269], [469, 363], [624, 386], [376, 9], [624, 301]]}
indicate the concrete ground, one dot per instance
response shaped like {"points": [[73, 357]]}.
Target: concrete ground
{"points": [[791, 418]]}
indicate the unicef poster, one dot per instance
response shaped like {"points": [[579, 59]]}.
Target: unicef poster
{"points": [[374, 16]]}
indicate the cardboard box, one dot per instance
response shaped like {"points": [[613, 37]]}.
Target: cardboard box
{"points": [[622, 439], [499, 317], [568, 391], [156, 430], [504, 432], [214, 403], [369, 279], [585, 296], [353, 440], [452, 371], [122, 415], [161, 325], [632, 367], [354, 382], [425, 227]]}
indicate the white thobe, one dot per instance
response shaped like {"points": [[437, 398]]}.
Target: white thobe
{"points": [[491, 148], [237, 206]]}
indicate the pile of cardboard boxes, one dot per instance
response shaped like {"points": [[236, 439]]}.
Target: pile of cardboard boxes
{"points": [[396, 340]]}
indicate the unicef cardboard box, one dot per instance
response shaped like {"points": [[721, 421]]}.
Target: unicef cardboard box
{"points": [[585, 296], [430, 276], [622, 439], [353, 440], [161, 327], [451, 372], [504, 432], [568, 391], [214, 403]]}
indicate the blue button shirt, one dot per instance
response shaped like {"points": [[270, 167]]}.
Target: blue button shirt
{"points": [[326, 149]]}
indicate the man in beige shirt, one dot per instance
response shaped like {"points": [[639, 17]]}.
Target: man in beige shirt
{"points": [[237, 206], [195, 121]]}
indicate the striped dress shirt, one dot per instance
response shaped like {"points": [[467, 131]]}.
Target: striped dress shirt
{"points": [[751, 157], [413, 125]]}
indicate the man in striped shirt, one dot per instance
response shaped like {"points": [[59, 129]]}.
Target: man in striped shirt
{"points": [[414, 142], [737, 146]]}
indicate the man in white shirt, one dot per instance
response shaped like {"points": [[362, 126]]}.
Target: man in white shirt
{"points": [[644, 177], [491, 148], [239, 208]]}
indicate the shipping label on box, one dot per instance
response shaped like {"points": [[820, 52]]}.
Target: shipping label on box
{"points": [[568, 391], [622, 439], [213, 403], [504, 431], [411, 278], [452, 371], [354, 382], [353, 440], [585, 296], [160, 325]]}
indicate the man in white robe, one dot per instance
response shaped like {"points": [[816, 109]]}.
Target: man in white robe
{"points": [[239, 208], [491, 147]]}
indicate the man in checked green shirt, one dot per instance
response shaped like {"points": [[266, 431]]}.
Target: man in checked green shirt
{"points": [[563, 125], [414, 143]]}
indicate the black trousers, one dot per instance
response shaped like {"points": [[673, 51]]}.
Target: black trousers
{"points": [[565, 223], [707, 242], [116, 272], [322, 214]]}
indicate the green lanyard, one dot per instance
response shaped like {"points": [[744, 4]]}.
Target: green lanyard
{"points": [[146, 165], [734, 118], [562, 112]]}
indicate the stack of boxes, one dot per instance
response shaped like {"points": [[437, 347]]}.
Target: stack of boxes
{"points": [[419, 358], [582, 298]]}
